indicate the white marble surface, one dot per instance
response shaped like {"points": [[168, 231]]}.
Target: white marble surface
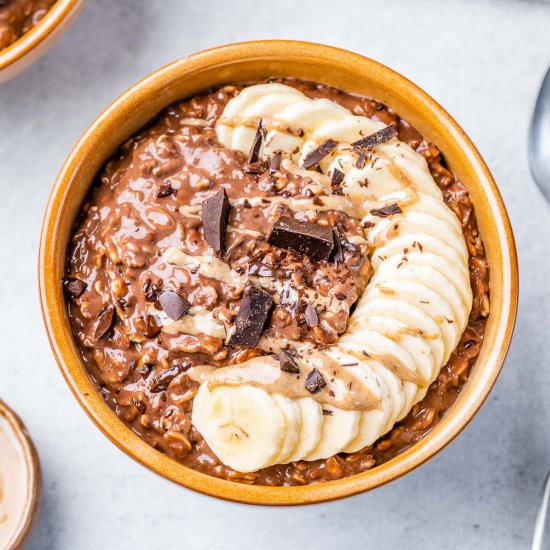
{"points": [[483, 60]]}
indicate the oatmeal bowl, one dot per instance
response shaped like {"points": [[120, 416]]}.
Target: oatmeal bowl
{"points": [[277, 273], [28, 28]]}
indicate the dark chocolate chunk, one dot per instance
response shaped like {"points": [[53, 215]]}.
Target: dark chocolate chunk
{"points": [[386, 211], [104, 323], [182, 364], [165, 190], [151, 290], [162, 381], [257, 167], [275, 162], [335, 181], [74, 287], [311, 239], [360, 163], [150, 326], [145, 371], [139, 405], [318, 201], [338, 255], [287, 362], [379, 137], [252, 317], [173, 304], [215, 215], [315, 381], [318, 154], [254, 154], [337, 177], [312, 319]]}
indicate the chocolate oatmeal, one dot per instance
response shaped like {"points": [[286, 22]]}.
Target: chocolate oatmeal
{"points": [[134, 271], [17, 17]]}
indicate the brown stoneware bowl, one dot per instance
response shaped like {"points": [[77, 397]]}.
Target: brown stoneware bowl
{"points": [[17, 514], [248, 62], [35, 43]]}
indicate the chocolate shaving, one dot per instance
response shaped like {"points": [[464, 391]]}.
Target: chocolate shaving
{"points": [[310, 314], [145, 371], [104, 323], [151, 291], [141, 406], [162, 381], [316, 241], [338, 255], [315, 381], [173, 304], [377, 138], [254, 153], [287, 362], [74, 287], [215, 216], [275, 162], [337, 177], [360, 163], [252, 317], [150, 326], [165, 190], [335, 181], [386, 211], [257, 167], [318, 154]]}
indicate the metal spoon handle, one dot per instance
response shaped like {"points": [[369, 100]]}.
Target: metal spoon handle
{"points": [[541, 516]]}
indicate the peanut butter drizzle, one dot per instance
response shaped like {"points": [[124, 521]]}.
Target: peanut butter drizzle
{"points": [[343, 389]]}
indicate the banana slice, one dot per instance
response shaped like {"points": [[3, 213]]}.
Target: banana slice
{"points": [[428, 301], [435, 207], [311, 428], [404, 326], [428, 243], [411, 341], [410, 315], [373, 422], [431, 261], [370, 343], [433, 280], [243, 425], [293, 426], [417, 222], [339, 428], [411, 392]]}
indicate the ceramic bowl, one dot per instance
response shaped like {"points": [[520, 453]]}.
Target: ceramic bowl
{"points": [[17, 513], [248, 62], [35, 43]]}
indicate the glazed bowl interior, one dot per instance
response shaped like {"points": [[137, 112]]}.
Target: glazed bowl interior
{"points": [[250, 62], [33, 44]]}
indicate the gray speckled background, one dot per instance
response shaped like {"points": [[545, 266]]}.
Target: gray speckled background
{"points": [[483, 60]]}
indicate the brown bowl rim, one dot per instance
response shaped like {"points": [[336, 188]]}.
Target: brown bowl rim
{"points": [[53, 306], [43, 30], [34, 472]]}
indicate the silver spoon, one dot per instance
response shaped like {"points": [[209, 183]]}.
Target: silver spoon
{"points": [[538, 535], [539, 160], [539, 139]]}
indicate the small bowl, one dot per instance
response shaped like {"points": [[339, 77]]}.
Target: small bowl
{"points": [[26, 508], [35, 43], [248, 62]]}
